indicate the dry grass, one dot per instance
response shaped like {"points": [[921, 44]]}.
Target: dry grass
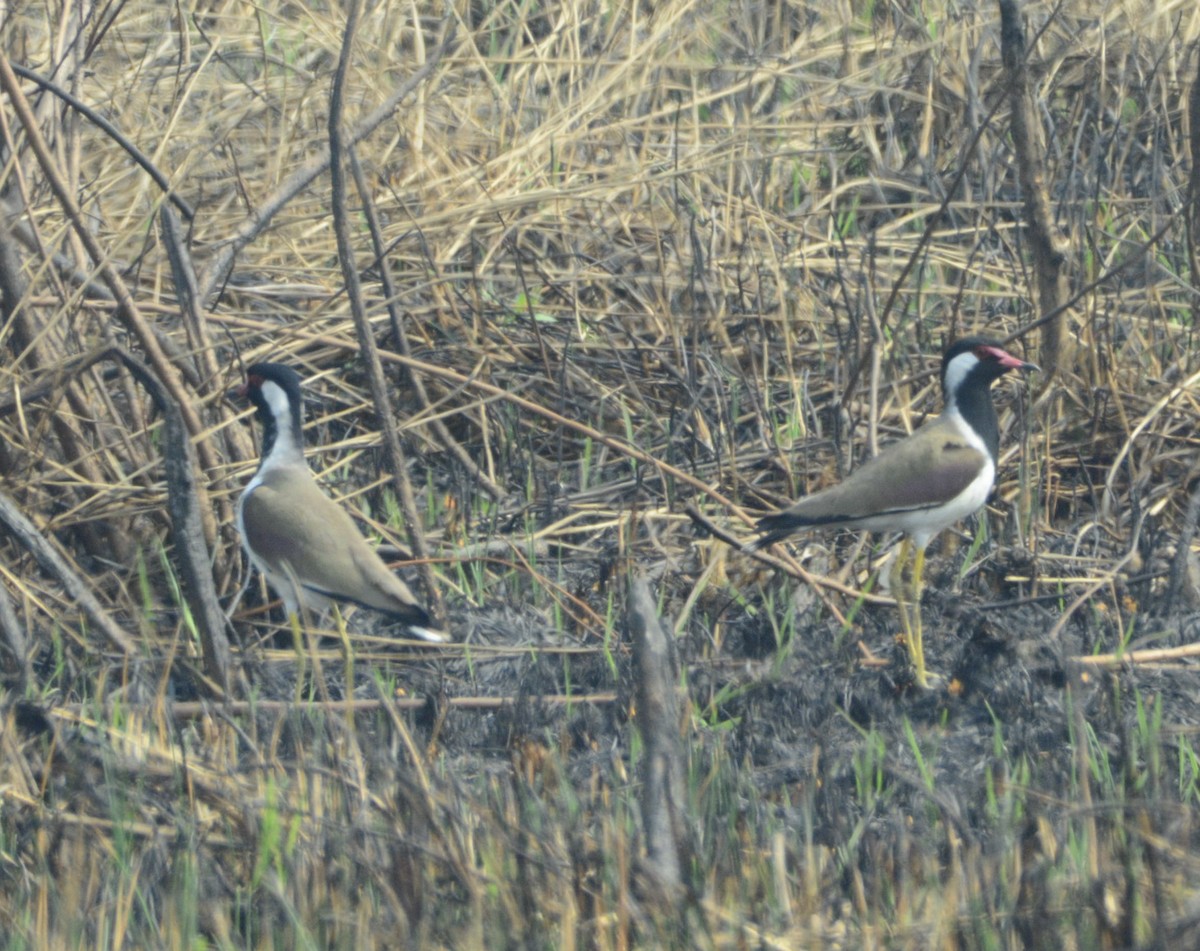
{"points": [[643, 259]]}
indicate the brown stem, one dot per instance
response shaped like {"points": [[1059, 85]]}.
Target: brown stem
{"points": [[384, 411], [1049, 248]]}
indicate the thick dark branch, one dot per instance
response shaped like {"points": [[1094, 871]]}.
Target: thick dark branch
{"points": [[664, 799], [1049, 249]]}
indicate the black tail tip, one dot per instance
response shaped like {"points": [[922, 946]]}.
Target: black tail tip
{"points": [[412, 616], [771, 529], [417, 623]]}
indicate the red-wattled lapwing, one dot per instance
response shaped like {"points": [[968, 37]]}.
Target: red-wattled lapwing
{"points": [[302, 541], [922, 484]]}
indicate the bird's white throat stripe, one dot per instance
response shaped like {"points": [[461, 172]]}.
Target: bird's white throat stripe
{"points": [[284, 450], [277, 400], [956, 371]]}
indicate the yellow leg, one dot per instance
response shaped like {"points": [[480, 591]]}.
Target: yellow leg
{"points": [[900, 588], [903, 592], [908, 599], [916, 644]]}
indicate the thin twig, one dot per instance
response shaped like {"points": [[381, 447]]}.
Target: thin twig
{"points": [[259, 218], [1148, 656], [440, 429], [190, 709], [113, 133], [55, 565], [384, 411], [127, 309]]}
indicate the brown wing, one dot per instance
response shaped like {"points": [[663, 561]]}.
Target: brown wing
{"points": [[322, 546], [932, 466]]}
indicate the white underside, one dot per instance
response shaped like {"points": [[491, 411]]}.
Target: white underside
{"points": [[919, 524], [923, 524]]}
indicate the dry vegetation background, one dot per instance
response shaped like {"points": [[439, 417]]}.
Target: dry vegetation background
{"points": [[628, 269]]}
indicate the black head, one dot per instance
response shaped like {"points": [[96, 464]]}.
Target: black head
{"points": [[990, 361], [969, 367], [281, 375]]}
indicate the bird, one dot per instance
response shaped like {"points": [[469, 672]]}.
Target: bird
{"points": [[921, 484], [302, 541]]}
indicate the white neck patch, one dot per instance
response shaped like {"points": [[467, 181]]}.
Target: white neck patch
{"points": [[285, 448], [277, 400], [956, 372]]}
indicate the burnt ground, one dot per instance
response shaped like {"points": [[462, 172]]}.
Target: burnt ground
{"points": [[616, 264], [1021, 745]]}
